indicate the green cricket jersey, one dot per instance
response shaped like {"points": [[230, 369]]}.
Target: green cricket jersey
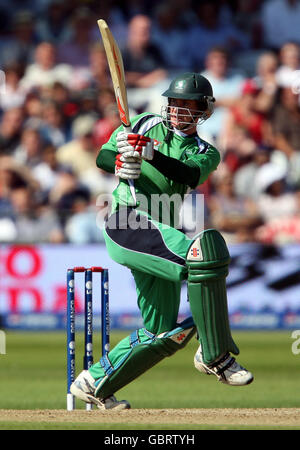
{"points": [[152, 184]]}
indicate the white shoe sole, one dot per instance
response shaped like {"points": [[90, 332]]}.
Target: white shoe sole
{"points": [[87, 398], [90, 399], [205, 369], [236, 383]]}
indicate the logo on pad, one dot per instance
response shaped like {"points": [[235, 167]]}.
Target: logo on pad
{"points": [[195, 253]]}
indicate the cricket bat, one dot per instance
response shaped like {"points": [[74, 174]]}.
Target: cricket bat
{"points": [[116, 68]]}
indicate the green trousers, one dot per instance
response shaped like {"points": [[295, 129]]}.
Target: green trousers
{"points": [[156, 255]]}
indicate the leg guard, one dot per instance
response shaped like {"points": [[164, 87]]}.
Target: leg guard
{"points": [[208, 260], [143, 351]]}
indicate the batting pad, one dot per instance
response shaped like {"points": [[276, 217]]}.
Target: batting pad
{"points": [[139, 352], [208, 261]]}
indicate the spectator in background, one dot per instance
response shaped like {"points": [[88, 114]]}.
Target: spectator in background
{"points": [[12, 176], [95, 180], [98, 181], [247, 17], [96, 74], [116, 15], [10, 130], [210, 32], [266, 67], [238, 148], [170, 38], [274, 200], [54, 129], [52, 26], [265, 79], [99, 75], [143, 61], [75, 51], [285, 121], [106, 97], [63, 194], [64, 98], [236, 217], [82, 227], [20, 45], [284, 229], [280, 22], [14, 95], [243, 114], [244, 178], [227, 85], [45, 71], [106, 125], [29, 151], [185, 12], [34, 221], [26, 219], [145, 72], [79, 153], [46, 172], [289, 58], [60, 94], [17, 6], [33, 108], [87, 103]]}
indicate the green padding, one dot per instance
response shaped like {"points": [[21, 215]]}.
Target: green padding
{"points": [[208, 260], [143, 356], [213, 248]]}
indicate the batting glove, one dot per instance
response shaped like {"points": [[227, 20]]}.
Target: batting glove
{"points": [[127, 167], [135, 145]]}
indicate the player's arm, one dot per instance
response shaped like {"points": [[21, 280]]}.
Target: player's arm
{"points": [[140, 146], [192, 172], [207, 162], [106, 160], [184, 173]]}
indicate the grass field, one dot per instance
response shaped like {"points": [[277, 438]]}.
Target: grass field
{"points": [[33, 377]]}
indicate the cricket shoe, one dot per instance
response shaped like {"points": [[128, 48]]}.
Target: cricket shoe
{"points": [[84, 388], [226, 369]]}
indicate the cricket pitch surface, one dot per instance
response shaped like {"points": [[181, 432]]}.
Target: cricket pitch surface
{"points": [[281, 417]]}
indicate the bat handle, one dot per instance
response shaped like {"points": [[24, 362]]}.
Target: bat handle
{"points": [[132, 190], [128, 129]]}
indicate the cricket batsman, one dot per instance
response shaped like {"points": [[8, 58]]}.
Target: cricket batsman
{"points": [[164, 155]]}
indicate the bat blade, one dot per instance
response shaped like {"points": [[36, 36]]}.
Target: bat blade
{"points": [[116, 68]]}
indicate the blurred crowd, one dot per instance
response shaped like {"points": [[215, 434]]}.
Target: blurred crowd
{"points": [[57, 107]]}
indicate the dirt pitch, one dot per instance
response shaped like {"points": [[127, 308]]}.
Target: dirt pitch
{"points": [[281, 417]]}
